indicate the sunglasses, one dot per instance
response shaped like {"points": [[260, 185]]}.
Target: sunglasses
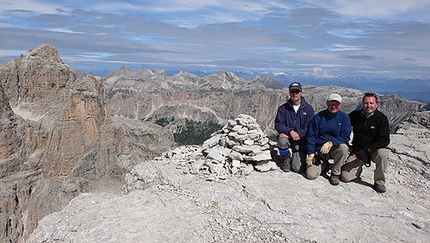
{"points": [[370, 94], [333, 103]]}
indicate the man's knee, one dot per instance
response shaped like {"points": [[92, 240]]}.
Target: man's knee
{"points": [[283, 143], [295, 166], [352, 169], [311, 176], [347, 176], [344, 148], [381, 155], [340, 152], [298, 162], [313, 172]]}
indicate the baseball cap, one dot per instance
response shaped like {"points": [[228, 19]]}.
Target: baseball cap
{"points": [[334, 97], [295, 85]]}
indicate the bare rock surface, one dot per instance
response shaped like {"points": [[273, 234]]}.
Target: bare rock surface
{"points": [[261, 207], [410, 145], [162, 201]]}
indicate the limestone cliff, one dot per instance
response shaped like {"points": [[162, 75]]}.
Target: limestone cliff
{"points": [[57, 140]]}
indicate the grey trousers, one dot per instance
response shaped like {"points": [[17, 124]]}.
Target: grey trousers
{"points": [[298, 158], [338, 154], [353, 167]]}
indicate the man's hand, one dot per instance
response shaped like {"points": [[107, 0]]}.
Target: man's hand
{"points": [[325, 149], [310, 159], [294, 135], [361, 155], [283, 135]]}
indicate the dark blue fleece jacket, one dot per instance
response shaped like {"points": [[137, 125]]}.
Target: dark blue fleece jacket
{"points": [[287, 119]]}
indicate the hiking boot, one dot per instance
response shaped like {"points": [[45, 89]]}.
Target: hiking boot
{"points": [[286, 165], [379, 188], [334, 180]]}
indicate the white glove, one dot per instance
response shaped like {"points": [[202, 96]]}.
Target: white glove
{"points": [[325, 149], [310, 159]]}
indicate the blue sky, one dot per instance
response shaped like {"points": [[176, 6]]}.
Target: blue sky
{"points": [[370, 38]]}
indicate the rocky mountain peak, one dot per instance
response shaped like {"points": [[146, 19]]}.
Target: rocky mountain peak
{"points": [[144, 73], [123, 71], [186, 76], [268, 81], [46, 52], [57, 140], [227, 76]]}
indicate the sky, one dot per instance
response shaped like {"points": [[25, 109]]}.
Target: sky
{"points": [[326, 38]]}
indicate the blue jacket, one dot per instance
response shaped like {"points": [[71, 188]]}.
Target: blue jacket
{"points": [[287, 119], [328, 127]]}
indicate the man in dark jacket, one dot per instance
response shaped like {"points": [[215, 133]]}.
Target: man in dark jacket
{"points": [[371, 137], [291, 123]]}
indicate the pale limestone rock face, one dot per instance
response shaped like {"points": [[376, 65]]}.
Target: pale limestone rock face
{"points": [[57, 140], [410, 145], [265, 167], [31, 88]]}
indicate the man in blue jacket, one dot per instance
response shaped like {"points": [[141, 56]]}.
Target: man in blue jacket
{"points": [[291, 123], [328, 134]]}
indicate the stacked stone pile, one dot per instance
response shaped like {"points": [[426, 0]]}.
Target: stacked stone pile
{"points": [[239, 148]]}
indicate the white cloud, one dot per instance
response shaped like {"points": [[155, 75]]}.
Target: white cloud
{"points": [[64, 30], [318, 72], [28, 5], [372, 8], [340, 47]]}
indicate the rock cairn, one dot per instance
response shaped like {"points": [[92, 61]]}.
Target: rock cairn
{"points": [[239, 148]]}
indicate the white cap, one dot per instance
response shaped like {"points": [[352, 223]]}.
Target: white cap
{"points": [[334, 97]]}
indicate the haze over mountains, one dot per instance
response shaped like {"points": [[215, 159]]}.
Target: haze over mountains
{"points": [[411, 89], [64, 135]]}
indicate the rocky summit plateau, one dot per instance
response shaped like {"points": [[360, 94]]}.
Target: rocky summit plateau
{"points": [[145, 157]]}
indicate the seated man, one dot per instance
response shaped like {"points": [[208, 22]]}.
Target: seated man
{"points": [[328, 134], [371, 137], [291, 123]]}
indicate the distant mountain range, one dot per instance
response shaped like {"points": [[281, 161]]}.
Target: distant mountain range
{"points": [[411, 89]]}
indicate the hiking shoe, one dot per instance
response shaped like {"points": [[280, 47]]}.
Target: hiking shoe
{"points": [[286, 165], [334, 180], [379, 188]]}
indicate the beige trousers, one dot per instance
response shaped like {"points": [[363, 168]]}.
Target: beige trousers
{"points": [[353, 167], [338, 154]]}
